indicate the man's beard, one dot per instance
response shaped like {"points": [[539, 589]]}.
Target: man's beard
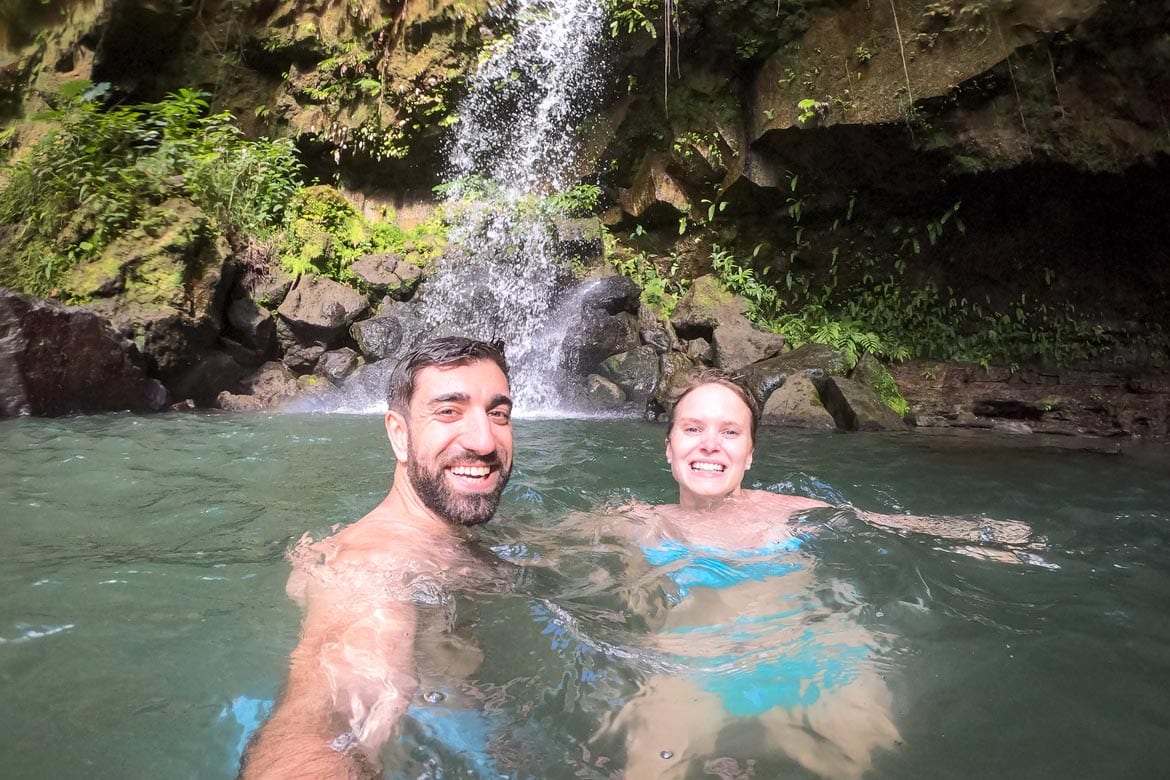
{"points": [[456, 508]]}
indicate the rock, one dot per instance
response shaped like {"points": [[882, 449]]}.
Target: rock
{"points": [[337, 364], [271, 385], [57, 360], [635, 372], [870, 372], [674, 369], [388, 274], [797, 404], [611, 294], [657, 333], [654, 192], [270, 289], [578, 238], [246, 356], [602, 394], [378, 337], [303, 358], [321, 310], [816, 360], [700, 350], [738, 343], [1066, 402], [599, 335], [175, 287], [254, 325], [215, 372], [413, 326], [856, 407], [234, 402], [704, 305]]}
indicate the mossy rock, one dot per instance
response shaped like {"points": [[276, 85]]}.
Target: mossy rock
{"points": [[871, 373]]}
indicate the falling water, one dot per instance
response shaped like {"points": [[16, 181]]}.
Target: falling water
{"points": [[515, 140]]}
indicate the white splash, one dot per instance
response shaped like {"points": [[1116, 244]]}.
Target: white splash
{"points": [[516, 138]]}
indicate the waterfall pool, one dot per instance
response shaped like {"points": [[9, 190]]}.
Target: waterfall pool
{"points": [[144, 627]]}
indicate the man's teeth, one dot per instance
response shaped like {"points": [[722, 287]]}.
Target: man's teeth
{"points": [[471, 471], [706, 467]]}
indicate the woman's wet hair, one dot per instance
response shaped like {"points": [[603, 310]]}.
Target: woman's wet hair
{"points": [[715, 376], [444, 351]]}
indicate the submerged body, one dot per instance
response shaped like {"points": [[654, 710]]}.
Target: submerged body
{"points": [[354, 673], [755, 638], [759, 652]]}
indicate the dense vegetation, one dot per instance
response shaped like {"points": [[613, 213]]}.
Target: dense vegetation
{"points": [[101, 172]]}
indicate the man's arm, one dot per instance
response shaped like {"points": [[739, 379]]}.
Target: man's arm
{"points": [[350, 679]]}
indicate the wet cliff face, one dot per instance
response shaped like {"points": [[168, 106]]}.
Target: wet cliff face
{"points": [[366, 88], [838, 137], [849, 133]]}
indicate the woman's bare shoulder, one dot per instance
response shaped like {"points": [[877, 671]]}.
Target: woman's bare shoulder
{"points": [[782, 500]]}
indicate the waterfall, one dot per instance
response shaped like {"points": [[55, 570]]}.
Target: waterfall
{"points": [[516, 139]]}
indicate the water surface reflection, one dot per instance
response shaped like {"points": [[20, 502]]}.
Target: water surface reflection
{"points": [[144, 626]]}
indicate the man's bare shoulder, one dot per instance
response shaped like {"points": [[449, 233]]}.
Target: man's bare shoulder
{"points": [[381, 550]]}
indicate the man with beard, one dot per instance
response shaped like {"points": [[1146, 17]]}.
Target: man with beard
{"points": [[369, 591]]}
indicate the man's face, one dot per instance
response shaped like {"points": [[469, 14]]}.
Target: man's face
{"points": [[460, 440]]}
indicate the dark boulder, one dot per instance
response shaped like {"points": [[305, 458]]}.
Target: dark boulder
{"points": [[253, 325], [602, 394], [337, 364], [856, 407], [388, 274], [216, 372], [816, 360], [611, 294], [57, 360], [321, 310], [635, 372], [378, 337], [656, 332], [797, 404], [675, 369], [738, 342]]}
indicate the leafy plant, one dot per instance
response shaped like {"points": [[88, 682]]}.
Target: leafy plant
{"points": [[880, 314], [326, 234], [576, 201], [808, 110], [631, 16], [99, 172], [659, 291]]}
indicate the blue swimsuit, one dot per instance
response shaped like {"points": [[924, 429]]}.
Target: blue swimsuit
{"points": [[790, 673]]}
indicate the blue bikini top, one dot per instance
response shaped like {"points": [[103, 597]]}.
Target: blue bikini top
{"points": [[716, 567]]}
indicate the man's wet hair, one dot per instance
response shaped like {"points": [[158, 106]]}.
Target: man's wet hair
{"points": [[715, 376], [443, 351]]}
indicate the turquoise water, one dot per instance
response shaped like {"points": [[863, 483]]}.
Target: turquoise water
{"points": [[143, 623]]}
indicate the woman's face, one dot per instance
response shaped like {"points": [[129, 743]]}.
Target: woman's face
{"points": [[710, 445]]}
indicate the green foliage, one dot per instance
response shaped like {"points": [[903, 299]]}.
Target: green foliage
{"points": [[863, 54], [326, 234], [98, 173], [577, 201], [882, 315], [630, 16], [808, 110], [660, 291], [693, 143]]}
